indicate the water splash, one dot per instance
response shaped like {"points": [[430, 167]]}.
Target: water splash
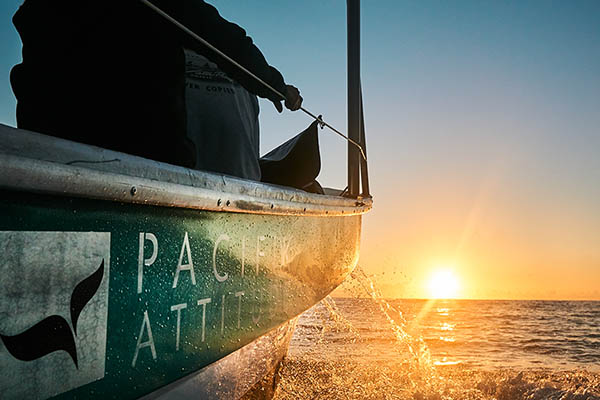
{"points": [[333, 363], [415, 372], [334, 321], [421, 365]]}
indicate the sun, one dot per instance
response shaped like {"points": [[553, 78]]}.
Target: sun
{"points": [[443, 284]]}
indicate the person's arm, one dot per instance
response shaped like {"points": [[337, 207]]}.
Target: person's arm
{"points": [[231, 39]]}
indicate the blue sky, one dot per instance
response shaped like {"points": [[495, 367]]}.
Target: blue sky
{"points": [[485, 108]]}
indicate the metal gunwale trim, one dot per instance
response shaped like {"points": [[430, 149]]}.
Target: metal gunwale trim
{"points": [[32, 175], [37, 146]]}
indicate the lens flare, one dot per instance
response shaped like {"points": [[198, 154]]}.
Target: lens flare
{"points": [[443, 284]]}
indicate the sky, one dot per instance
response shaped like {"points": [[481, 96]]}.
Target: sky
{"points": [[483, 133]]}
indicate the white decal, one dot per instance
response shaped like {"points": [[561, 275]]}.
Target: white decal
{"points": [[54, 286], [239, 296], [257, 318], [148, 343], [243, 255], [178, 308], [220, 278], [203, 302], [259, 252], [285, 250], [222, 313], [148, 261], [185, 247]]}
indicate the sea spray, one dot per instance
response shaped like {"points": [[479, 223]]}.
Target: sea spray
{"points": [[415, 372], [421, 365], [341, 350], [336, 322]]}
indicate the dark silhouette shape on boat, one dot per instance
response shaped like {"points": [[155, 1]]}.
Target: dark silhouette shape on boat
{"points": [[53, 333]]}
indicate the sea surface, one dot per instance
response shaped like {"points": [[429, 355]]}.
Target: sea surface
{"points": [[444, 349], [479, 333]]}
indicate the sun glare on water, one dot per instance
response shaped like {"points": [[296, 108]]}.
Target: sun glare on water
{"points": [[443, 284]]}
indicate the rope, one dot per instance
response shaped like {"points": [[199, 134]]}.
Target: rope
{"points": [[319, 119]]}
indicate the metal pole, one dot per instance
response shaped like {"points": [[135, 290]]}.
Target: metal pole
{"points": [[364, 171], [353, 20]]}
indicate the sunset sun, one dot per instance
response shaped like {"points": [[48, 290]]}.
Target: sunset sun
{"points": [[443, 284]]}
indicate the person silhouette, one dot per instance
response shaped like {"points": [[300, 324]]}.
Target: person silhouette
{"points": [[112, 73]]}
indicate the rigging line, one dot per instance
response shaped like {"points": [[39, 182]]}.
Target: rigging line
{"points": [[231, 60]]}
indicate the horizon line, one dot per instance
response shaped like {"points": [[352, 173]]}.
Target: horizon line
{"points": [[461, 299]]}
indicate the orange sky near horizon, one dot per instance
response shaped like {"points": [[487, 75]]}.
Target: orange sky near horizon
{"points": [[496, 247], [506, 229]]}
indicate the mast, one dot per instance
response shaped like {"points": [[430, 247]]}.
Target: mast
{"points": [[364, 171], [353, 43]]}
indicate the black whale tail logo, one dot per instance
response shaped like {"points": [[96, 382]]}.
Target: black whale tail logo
{"points": [[53, 333]]}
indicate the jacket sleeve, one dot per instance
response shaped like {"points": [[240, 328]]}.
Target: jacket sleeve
{"points": [[231, 39]]}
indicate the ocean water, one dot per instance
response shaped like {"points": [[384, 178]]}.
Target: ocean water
{"points": [[444, 349], [478, 333]]}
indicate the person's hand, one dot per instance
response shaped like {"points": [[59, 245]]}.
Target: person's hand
{"points": [[293, 100]]}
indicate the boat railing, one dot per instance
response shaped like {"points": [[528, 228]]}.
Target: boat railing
{"points": [[44, 164]]}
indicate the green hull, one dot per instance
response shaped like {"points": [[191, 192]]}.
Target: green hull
{"points": [[179, 288], [123, 277]]}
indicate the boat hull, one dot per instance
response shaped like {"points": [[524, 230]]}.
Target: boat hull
{"points": [[127, 298], [248, 373]]}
